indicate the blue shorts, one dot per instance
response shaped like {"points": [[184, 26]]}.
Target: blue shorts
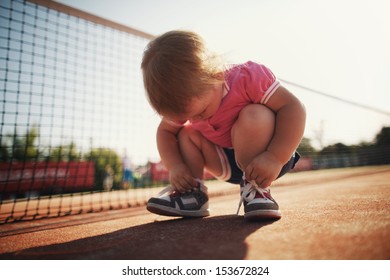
{"points": [[233, 174]]}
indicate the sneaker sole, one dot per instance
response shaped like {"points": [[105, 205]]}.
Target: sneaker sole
{"points": [[263, 215], [168, 211]]}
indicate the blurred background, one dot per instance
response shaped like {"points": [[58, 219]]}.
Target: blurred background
{"points": [[75, 120]]}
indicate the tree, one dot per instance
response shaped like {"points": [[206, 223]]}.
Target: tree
{"points": [[338, 148], [106, 159], [305, 148], [21, 148], [383, 137], [64, 153], [382, 146], [4, 153]]}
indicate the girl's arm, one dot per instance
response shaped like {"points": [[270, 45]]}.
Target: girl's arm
{"points": [[290, 121], [290, 124], [179, 174]]}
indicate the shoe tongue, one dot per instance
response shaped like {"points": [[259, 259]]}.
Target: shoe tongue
{"points": [[267, 194], [258, 195]]}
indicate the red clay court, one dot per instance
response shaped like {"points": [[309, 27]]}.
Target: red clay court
{"points": [[327, 214]]}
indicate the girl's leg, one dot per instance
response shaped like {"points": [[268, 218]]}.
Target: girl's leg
{"points": [[251, 136], [252, 132], [198, 153]]}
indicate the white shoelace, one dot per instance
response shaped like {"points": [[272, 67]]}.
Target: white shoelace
{"points": [[169, 189], [248, 193]]}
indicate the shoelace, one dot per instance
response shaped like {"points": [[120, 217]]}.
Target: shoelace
{"points": [[248, 193], [170, 189]]}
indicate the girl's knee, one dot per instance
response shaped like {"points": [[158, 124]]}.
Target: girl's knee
{"points": [[187, 133], [256, 114]]}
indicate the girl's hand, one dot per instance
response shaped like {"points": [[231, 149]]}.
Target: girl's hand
{"points": [[181, 178], [264, 169]]}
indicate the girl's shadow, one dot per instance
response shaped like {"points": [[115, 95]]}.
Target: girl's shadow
{"points": [[221, 237]]}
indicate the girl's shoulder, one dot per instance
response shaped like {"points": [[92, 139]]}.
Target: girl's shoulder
{"points": [[246, 66], [249, 70]]}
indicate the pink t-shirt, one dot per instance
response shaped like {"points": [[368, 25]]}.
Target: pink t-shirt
{"points": [[245, 84]]}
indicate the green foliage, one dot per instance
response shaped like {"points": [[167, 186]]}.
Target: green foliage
{"points": [[105, 159], [383, 137], [338, 148], [20, 147], [64, 153], [375, 153], [306, 149]]}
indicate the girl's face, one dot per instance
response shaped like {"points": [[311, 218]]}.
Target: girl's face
{"points": [[201, 108], [206, 106]]}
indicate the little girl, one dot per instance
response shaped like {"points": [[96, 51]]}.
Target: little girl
{"points": [[240, 123]]}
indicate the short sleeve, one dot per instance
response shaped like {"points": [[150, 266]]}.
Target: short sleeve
{"points": [[260, 82]]}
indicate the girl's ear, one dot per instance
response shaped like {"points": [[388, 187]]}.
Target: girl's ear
{"points": [[219, 76]]}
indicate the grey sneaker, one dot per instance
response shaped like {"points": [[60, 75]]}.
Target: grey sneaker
{"points": [[172, 203], [258, 202]]}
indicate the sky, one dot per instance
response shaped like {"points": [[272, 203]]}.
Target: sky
{"points": [[338, 47]]}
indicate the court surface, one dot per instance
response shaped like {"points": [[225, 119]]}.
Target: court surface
{"points": [[327, 214]]}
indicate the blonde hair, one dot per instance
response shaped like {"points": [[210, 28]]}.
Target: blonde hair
{"points": [[177, 67]]}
